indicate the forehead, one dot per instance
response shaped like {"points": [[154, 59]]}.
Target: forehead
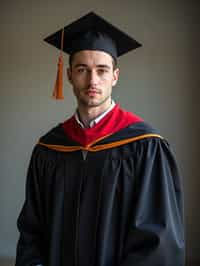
{"points": [[92, 57]]}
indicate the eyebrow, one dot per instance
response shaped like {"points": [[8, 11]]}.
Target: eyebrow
{"points": [[103, 66], [98, 66], [80, 65]]}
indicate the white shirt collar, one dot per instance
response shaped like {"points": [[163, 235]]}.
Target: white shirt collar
{"points": [[97, 119]]}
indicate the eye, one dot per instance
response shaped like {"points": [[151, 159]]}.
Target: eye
{"points": [[102, 71], [81, 70]]}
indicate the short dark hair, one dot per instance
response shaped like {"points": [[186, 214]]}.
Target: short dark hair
{"points": [[114, 61]]}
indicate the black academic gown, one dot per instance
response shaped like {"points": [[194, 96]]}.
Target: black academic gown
{"points": [[122, 206]]}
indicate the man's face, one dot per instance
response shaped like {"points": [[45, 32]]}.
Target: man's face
{"points": [[92, 77]]}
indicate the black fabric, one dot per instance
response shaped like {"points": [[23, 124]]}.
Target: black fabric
{"points": [[93, 40], [121, 206], [92, 32]]}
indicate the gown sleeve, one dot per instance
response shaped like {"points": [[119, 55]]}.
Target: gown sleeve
{"points": [[155, 235], [30, 222]]}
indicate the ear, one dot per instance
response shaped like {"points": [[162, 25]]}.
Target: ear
{"points": [[115, 76], [69, 74]]}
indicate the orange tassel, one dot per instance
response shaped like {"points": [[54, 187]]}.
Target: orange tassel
{"points": [[58, 88]]}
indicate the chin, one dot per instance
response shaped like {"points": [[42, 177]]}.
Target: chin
{"points": [[90, 102], [93, 104]]}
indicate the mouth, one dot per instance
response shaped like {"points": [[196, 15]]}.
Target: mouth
{"points": [[92, 92]]}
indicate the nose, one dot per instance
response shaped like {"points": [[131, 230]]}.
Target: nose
{"points": [[93, 78]]}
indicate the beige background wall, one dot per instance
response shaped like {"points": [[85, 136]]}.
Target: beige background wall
{"points": [[159, 82]]}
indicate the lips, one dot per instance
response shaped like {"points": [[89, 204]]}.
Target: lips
{"points": [[92, 91]]}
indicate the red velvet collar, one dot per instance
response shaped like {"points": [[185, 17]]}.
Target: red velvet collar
{"points": [[114, 121]]}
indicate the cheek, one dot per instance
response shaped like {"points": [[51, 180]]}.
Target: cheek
{"points": [[107, 79], [76, 81], [80, 79]]}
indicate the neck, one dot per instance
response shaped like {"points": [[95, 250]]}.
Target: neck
{"points": [[88, 113]]}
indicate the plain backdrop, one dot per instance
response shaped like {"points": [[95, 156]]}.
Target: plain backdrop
{"points": [[159, 82]]}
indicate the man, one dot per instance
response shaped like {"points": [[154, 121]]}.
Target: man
{"points": [[103, 187]]}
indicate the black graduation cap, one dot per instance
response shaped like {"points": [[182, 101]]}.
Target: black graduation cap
{"points": [[90, 32]]}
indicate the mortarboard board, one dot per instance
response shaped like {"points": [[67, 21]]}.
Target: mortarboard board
{"points": [[90, 32]]}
